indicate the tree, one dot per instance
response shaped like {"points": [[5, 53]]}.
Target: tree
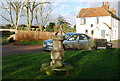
{"points": [[12, 8], [64, 24], [61, 19], [50, 27], [75, 26], [42, 15], [30, 8], [8, 26]]}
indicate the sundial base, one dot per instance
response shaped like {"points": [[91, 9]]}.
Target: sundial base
{"points": [[65, 70]]}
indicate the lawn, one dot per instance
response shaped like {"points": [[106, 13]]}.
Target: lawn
{"points": [[94, 64]]}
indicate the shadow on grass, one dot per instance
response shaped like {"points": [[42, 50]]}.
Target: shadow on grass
{"points": [[75, 58]]}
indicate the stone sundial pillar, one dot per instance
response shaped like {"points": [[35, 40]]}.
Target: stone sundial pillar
{"points": [[57, 66], [57, 52]]}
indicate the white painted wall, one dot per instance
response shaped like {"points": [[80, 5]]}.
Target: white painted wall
{"points": [[110, 35], [114, 25], [119, 30]]}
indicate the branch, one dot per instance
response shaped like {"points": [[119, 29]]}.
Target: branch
{"points": [[6, 19], [40, 3], [5, 7]]}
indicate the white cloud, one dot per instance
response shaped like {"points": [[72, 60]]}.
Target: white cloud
{"points": [[63, 6], [95, 4], [82, 0], [59, 5], [55, 4]]}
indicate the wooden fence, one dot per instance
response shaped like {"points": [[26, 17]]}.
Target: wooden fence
{"points": [[33, 35]]}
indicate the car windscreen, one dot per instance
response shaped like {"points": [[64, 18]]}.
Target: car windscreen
{"points": [[67, 36]]}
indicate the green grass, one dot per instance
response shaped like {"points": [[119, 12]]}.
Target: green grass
{"points": [[115, 41], [31, 42], [4, 39], [100, 64]]}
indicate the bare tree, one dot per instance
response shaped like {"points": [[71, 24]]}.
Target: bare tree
{"points": [[42, 15], [12, 8], [30, 8], [63, 24]]}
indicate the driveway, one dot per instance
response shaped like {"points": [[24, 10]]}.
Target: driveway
{"points": [[8, 50]]}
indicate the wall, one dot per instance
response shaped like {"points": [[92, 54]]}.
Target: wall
{"points": [[119, 30], [114, 25], [91, 20], [33, 35]]}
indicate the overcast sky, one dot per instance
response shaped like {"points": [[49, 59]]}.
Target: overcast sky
{"points": [[69, 9]]}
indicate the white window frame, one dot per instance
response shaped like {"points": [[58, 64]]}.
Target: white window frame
{"points": [[97, 20], [83, 21]]}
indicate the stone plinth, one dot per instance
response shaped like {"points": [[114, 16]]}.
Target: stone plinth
{"points": [[57, 66], [57, 52]]}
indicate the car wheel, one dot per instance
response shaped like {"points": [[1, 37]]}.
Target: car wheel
{"points": [[95, 48], [109, 47]]}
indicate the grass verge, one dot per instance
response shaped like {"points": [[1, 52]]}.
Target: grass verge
{"points": [[100, 64]]}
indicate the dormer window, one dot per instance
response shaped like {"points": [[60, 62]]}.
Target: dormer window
{"points": [[97, 20], [83, 21]]}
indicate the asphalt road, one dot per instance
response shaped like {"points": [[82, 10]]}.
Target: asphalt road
{"points": [[8, 50]]}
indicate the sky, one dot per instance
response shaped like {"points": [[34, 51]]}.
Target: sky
{"points": [[68, 9]]}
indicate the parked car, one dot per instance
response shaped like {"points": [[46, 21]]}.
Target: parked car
{"points": [[47, 44], [78, 41]]}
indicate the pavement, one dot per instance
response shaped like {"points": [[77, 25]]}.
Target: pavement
{"points": [[8, 50], [116, 44]]}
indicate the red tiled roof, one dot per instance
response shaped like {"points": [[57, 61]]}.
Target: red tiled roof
{"points": [[93, 12]]}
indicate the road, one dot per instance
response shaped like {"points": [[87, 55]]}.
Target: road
{"points": [[8, 50]]}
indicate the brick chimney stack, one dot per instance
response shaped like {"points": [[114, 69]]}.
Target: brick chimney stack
{"points": [[106, 5], [113, 11]]}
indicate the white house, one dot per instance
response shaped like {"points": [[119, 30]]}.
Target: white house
{"points": [[98, 22]]}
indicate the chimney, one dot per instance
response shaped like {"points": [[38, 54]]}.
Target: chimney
{"points": [[113, 11], [106, 5]]}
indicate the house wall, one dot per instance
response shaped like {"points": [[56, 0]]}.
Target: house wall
{"points": [[110, 34], [114, 25], [98, 32], [118, 30]]}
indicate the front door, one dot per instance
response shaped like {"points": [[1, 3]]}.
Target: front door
{"points": [[103, 34]]}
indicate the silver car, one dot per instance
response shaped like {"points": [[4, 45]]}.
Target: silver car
{"points": [[72, 41], [77, 41], [47, 44]]}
